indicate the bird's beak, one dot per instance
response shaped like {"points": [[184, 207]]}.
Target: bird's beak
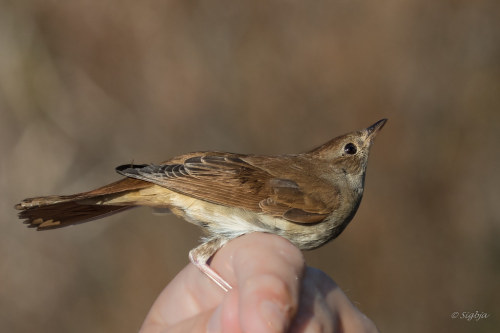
{"points": [[375, 128]]}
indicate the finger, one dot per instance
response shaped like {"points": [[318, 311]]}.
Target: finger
{"points": [[314, 314], [348, 318], [267, 271], [222, 319], [325, 308], [187, 295], [195, 324]]}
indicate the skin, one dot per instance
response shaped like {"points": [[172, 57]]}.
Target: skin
{"points": [[273, 291]]}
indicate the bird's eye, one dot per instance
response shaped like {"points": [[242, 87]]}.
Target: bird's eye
{"points": [[350, 149]]}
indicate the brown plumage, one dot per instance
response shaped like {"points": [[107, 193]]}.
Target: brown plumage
{"points": [[55, 211], [307, 198]]}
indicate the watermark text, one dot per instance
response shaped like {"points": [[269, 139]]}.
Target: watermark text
{"points": [[470, 316]]}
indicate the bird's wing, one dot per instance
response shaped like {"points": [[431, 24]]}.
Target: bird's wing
{"points": [[230, 180]]}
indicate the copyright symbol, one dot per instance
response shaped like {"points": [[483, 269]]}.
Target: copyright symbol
{"points": [[454, 315]]}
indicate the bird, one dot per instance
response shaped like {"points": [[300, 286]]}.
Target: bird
{"points": [[308, 198]]}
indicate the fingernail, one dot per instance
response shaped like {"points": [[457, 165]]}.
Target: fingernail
{"points": [[214, 323], [273, 315]]}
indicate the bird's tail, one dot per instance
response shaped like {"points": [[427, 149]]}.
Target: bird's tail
{"points": [[52, 212]]}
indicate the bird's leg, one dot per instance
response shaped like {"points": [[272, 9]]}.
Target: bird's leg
{"points": [[201, 254]]}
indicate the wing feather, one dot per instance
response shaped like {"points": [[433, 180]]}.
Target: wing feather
{"points": [[234, 180]]}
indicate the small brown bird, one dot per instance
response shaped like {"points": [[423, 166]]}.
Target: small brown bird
{"points": [[307, 198]]}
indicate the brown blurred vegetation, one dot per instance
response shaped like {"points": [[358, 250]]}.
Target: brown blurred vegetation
{"points": [[88, 85]]}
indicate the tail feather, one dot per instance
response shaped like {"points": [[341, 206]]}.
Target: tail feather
{"points": [[52, 212], [62, 214]]}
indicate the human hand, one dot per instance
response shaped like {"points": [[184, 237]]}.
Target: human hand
{"points": [[273, 291]]}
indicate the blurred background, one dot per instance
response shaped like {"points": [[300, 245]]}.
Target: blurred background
{"points": [[86, 86]]}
